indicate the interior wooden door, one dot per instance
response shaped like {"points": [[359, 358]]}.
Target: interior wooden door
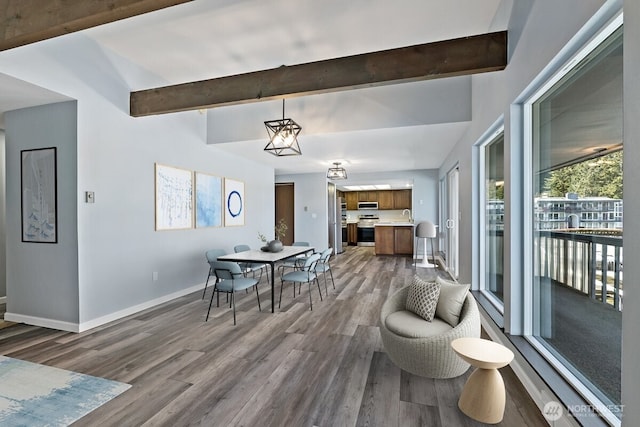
{"points": [[285, 209]]}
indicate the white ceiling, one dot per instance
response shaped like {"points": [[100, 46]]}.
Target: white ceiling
{"points": [[397, 127]]}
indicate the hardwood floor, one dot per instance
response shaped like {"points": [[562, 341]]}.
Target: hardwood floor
{"points": [[296, 367]]}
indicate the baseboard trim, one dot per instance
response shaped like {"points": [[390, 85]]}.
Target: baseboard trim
{"points": [[42, 322], [90, 324]]}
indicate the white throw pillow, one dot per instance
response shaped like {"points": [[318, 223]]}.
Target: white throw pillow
{"points": [[422, 298], [451, 300]]}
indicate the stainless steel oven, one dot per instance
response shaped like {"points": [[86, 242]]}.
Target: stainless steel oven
{"points": [[366, 236], [367, 230]]}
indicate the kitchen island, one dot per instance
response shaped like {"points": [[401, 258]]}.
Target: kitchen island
{"points": [[394, 238]]}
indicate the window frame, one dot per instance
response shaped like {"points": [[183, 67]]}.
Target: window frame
{"points": [[529, 308], [479, 265]]}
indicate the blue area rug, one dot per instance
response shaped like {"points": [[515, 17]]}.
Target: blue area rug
{"points": [[39, 395]]}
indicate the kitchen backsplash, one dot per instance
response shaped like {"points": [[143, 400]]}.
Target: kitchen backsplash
{"points": [[385, 215]]}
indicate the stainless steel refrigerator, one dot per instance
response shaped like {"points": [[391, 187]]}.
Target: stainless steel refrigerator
{"points": [[335, 219], [338, 248]]}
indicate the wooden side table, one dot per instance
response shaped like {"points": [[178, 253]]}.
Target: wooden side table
{"points": [[483, 396]]}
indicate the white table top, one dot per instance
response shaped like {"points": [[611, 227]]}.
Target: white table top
{"points": [[270, 257], [482, 353]]}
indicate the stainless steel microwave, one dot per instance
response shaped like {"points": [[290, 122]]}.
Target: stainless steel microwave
{"points": [[367, 205]]}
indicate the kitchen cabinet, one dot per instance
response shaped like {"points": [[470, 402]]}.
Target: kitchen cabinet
{"points": [[352, 200], [385, 241], [394, 240], [367, 196], [352, 234], [385, 199], [402, 199], [403, 240]]}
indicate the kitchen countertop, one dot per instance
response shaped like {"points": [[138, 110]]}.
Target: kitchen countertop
{"points": [[394, 224]]}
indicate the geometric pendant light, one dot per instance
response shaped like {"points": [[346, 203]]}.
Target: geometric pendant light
{"points": [[336, 172], [283, 136]]}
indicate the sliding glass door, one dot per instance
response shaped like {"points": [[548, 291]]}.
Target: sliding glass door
{"points": [[575, 206], [451, 218]]}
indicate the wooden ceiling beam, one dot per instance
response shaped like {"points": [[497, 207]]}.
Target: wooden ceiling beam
{"points": [[29, 21], [457, 57]]}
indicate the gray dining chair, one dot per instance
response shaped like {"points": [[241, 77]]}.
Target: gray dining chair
{"points": [[306, 274], [323, 267], [251, 267], [211, 255], [294, 262], [230, 279]]}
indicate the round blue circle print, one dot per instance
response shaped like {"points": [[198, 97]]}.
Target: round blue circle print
{"points": [[234, 203]]}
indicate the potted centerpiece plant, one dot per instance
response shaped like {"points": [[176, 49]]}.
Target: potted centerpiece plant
{"points": [[275, 245]]}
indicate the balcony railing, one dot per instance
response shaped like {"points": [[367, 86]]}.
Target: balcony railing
{"points": [[584, 260]]}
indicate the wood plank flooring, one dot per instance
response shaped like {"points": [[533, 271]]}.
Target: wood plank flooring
{"points": [[296, 367]]}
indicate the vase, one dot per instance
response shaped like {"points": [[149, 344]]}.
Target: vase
{"points": [[275, 246]]}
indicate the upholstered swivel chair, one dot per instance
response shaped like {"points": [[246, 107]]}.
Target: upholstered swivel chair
{"points": [[425, 349]]}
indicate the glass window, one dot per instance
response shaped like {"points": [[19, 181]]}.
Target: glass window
{"points": [[577, 286], [493, 178]]}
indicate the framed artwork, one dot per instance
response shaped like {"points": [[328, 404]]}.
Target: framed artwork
{"points": [[233, 202], [174, 198], [208, 200], [38, 183]]}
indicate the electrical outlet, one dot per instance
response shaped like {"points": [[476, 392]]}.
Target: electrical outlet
{"points": [[89, 197]]}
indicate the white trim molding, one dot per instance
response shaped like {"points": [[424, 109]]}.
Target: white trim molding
{"points": [[85, 326]]}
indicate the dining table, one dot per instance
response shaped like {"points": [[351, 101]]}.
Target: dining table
{"points": [[270, 258]]}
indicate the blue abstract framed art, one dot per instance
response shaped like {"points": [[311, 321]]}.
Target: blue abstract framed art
{"points": [[233, 202], [174, 198], [208, 200]]}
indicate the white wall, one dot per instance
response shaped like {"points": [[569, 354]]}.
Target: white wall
{"points": [[117, 246], [42, 278], [310, 208]]}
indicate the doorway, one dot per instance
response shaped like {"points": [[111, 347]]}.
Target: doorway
{"points": [[285, 209]]}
